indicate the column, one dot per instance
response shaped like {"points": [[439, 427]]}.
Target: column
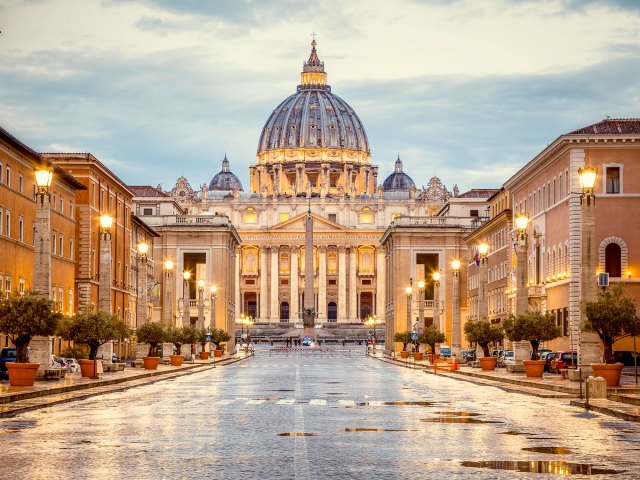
{"points": [[264, 297], [589, 344], [42, 242], [436, 306], [275, 276], [238, 283], [167, 298], [186, 303], [381, 284], [342, 284], [322, 283], [353, 296], [104, 289], [521, 349], [483, 304], [294, 308], [141, 303], [456, 344]]}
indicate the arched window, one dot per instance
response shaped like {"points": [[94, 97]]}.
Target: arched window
{"points": [[613, 260], [332, 312], [284, 312]]}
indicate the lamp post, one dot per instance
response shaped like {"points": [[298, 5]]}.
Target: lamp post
{"points": [[521, 349], [42, 240], [409, 292], [245, 320], [421, 285], [104, 292], [436, 300], [483, 304], [201, 284], [371, 322], [588, 346], [168, 283], [186, 311], [456, 345], [141, 305], [213, 291]]}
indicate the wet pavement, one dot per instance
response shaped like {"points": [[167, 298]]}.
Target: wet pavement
{"points": [[334, 415]]}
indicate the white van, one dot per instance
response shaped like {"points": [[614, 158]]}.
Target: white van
{"points": [[445, 351]]}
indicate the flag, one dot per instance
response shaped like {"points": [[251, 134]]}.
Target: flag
{"points": [[476, 257]]}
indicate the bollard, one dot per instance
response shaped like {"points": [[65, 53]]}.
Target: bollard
{"points": [[586, 394]]}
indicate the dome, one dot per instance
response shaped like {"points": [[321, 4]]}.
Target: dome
{"points": [[313, 118], [225, 180], [398, 180]]}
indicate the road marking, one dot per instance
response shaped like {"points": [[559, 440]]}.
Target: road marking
{"points": [[347, 403], [375, 404], [254, 402], [286, 401], [317, 401]]}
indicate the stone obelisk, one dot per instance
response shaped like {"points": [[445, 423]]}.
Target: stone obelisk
{"points": [[308, 312]]}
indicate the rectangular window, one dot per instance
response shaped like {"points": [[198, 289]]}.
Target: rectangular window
{"points": [[71, 209], [55, 238], [21, 228], [61, 248], [0, 171], [71, 248], [7, 286], [60, 298], [8, 177], [7, 224], [21, 286], [333, 217], [70, 301], [147, 211], [33, 234], [333, 282], [554, 191], [560, 184], [613, 179], [1, 218], [61, 205], [20, 183], [54, 204]]}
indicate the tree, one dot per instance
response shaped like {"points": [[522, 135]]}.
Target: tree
{"points": [[94, 329], [152, 333], [180, 336], [483, 333], [612, 316], [218, 336], [534, 327], [431, 336], [404, 338], [23, 317]]}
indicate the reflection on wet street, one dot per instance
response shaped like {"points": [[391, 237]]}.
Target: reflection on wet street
{"points": [[331, 417]]}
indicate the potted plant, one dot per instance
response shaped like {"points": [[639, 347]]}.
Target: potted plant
{"points": [[153, 334], [180, 336], [23, 317], [217, 337], [534, 327], [484, 333], [93, 329], [612, 316], [202, 340], [405, 339], [430, 337]]}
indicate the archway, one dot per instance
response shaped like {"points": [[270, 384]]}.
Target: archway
{"points": [[332, 312]]}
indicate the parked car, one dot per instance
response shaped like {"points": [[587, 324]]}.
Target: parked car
{"points": [[542, 351], [57, 361], [508, 358], [468, 355], [72, 365], [115, 358], [6, 355], [496, 353], [563, 360], [626, 357]]}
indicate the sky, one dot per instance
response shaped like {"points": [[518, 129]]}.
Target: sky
{"points": [[466, 90]]}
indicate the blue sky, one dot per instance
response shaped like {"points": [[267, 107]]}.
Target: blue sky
{"points": [[465, 90]]}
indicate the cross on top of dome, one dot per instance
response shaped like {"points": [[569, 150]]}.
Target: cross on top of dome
{"points": [[313, 74]]}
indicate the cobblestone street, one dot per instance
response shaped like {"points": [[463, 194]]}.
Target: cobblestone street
{"points": [[338, 415]]}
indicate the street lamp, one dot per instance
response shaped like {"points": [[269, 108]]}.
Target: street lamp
{"points": [[44, 177], [201, 284], [372, 321], [186, 277], [588, 346], [521, 349], [104, 292], [421, 285], [168, 282], [213, 291], [42, 233], [409, 291], [141, 305], [106, 221], [245, 320], [483, 304], [436, 299], [456, 344]]}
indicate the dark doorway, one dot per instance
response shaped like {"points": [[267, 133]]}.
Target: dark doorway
{"points": [[284, 312], [250, 306], [613, 260], [332, 312], [366, 305]]}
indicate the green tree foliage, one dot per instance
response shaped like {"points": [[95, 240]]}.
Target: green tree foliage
{"points": [[612, 316], [534, 327], [23, 317], [483, 333], [404, 338], [153, 334], [218, 336], [180, 336], [93, 329], [431, 336]]}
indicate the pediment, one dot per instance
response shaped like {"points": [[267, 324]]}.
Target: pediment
{"points": [[297, 224]]}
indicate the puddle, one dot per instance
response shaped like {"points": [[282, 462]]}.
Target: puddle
{"points": [[335, 393], [458, 414], [560, 468], [456, 420], [551, 450], [364, 429], [281, 390], [297, 434], [413, 404], [13, 426]]}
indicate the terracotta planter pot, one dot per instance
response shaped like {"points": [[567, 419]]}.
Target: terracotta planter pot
{"points": [[22, 374], [404, 354], [204, 355], [88, 368], [217, 353], [611, 372], [176, 360], [534, 368], [418, 356], [488, 363], [151, 363]]}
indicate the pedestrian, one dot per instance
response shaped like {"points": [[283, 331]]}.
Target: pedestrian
{"points": [[28, 353]]}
